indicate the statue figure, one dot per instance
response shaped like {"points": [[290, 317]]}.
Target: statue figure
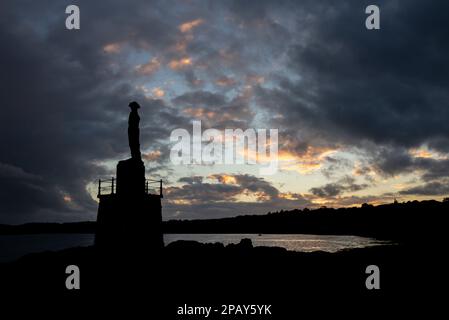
{"points": [[133, 131]]}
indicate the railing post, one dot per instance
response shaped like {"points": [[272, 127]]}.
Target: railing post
{"points": [[160, 189], [99, 187], [112, 185]]}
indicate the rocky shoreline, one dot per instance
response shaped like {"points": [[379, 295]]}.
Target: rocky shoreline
{"points": [[188, 271]]}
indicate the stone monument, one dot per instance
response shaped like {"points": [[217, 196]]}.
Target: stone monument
{"points": [[129, 213]]}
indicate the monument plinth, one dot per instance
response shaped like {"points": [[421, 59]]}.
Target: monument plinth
{"points": [[129, 213], [130, 177]]}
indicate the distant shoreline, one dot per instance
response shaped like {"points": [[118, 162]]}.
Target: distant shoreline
{"points": [[397, 221]]}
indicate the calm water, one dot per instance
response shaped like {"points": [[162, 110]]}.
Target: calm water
{"points": [[15, 246], [293, 242]]}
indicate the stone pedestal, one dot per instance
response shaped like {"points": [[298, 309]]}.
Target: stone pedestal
{"points": [[129, 224], [130, 219], [130, 177]]}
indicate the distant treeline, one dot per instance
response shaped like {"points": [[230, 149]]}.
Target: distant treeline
{"points": [[398, 221]]}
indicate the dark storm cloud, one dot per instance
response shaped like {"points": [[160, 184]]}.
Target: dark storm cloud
{"points": [[64, 106], [202, 99], [392, 161], [42, 127], [215, 109], [335, 165], [345, 184], [191, 180], [435, 188], [199, 199], [203, 192], [252, 184], [369, 89], [196, 190], [387, 86], [27, 193], [333, 83]]}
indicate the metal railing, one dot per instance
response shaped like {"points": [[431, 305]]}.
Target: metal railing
{"points": [[108, 186], [153, 184]]}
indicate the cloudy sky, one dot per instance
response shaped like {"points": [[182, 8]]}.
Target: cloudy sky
{"points": [[362, 115]]}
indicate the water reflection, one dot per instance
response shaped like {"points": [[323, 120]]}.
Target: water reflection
{"points": [[293, 242]]}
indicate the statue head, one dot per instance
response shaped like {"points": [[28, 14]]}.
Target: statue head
{"points": [[134, 105]]}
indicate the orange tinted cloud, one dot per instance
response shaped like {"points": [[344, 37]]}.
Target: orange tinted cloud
{"points": [[158, 92], [225, 179], [112, 48], [351, 201], [153, 155], [179, 64], [148, 68], [290, 196], [182, 201], [424, 152], [310, 160], [200, 113], [188, 26]]}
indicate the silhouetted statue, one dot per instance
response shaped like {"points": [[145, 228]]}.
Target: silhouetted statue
{"points": [[133, 131], [131, 172]]}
